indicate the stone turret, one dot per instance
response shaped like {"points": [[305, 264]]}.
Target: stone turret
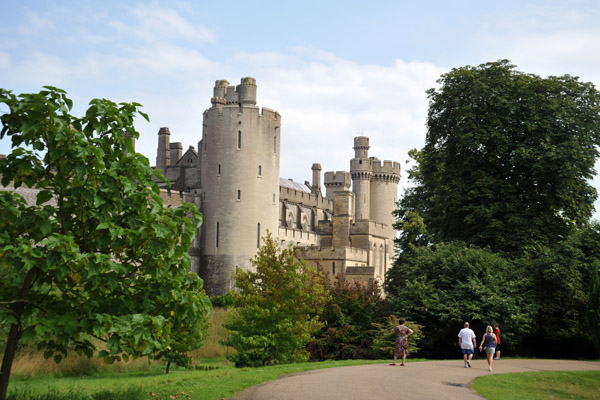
{"points": [[316, 179], [163, 156], [361, 171], [247, 91], [384, 192]]}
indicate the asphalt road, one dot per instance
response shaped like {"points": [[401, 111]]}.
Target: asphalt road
{"points": [[446, 380]]}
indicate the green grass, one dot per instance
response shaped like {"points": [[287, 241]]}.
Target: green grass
{"points": [[217, 380], [540, 385]]}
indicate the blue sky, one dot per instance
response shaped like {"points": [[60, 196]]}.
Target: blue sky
{"points": [[333, 70]]}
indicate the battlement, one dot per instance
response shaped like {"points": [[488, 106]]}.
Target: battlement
{"points": [[337, 179], [389, 171], [388, 167], [242, 94], [269, 113]]}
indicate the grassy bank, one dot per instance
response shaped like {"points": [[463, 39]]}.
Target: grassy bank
{"points": [[581, 385], [210, 381]]}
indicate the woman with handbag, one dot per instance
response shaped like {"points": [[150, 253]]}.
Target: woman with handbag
{"points": [[401, 349], [488, 344]]}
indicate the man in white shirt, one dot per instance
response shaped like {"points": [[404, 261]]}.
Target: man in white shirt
{"points": [[466, 341]]}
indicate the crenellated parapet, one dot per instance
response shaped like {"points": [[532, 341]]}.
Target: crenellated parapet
{"points": [[386, 168], [336, 181]]}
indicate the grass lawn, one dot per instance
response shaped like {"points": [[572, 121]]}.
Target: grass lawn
{"points": [[215, 379], [219, 380], [540, 385]]}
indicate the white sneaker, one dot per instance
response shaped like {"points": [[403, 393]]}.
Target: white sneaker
{"points": [[465, 365], [469, 363]]}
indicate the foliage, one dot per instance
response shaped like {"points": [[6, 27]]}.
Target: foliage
{"points": [[507, 158], [561, 279], [593, 312], [446, 284], [223, 301], [385, 337], [186, 336], [96, 253], [277, 308], [349, 316]]}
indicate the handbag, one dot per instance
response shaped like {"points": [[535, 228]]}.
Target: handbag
{"points": [[406, 346]]}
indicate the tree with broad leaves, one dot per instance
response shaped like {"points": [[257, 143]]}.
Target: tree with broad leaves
{"points": [[96, 255], [276, 311]]}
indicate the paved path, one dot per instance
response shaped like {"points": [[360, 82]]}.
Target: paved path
{"points": [[446, 380]]}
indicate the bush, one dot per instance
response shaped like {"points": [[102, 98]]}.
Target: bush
{"points": [[349, 318], [385, 338], [223, 301]]}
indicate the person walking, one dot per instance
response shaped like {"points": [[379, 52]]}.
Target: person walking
{"points": [[401, 349], [467, 342], [488, 344], [497, 333]]}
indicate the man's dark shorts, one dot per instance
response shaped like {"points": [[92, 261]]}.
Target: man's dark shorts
{"points": [[467, 351]]}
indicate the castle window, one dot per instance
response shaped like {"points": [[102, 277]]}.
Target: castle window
{"points": [[273, 198], [274, 144], [217, 241], [239, 194], [219, 170], [239, 140], [259, 170], [258, 235], [333, 268]]}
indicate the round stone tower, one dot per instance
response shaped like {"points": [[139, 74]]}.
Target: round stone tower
{"points": [[240, 182], [384, 193], [361, 172]]}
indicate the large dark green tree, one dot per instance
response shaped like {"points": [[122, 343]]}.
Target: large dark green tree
{"points": [[443, 285], [94, 254], [562, 281], [507, 158]]}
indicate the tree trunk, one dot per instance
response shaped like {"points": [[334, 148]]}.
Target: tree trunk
{"points": [[9, 355], [167, 372], [14, 335]]}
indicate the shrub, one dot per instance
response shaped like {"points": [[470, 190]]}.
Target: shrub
{"points": [[385, 338]]}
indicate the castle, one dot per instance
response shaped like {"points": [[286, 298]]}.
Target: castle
{"points": [[233, 178]]}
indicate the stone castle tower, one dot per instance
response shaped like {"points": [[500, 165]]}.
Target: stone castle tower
{"points": [[239, 163], [234, 180]]}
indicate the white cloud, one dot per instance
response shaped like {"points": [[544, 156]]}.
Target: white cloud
{"points": [[155, 23], [35, 23], [325, 101]]}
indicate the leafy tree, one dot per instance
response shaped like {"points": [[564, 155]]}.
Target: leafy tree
{"points": [[446, 284], [384, 341], [562, 277], [593, 312], [507, 158], [95, 254], [349, 318], [277, 308]]}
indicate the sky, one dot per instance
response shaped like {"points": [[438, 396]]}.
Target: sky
{"points": [[334, 70]]}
